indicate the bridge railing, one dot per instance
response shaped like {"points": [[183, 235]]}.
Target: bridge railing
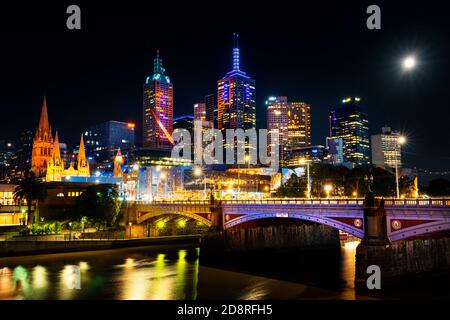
{"points": [[180, 202], [417, 202], [315, 202], [389, 202]]}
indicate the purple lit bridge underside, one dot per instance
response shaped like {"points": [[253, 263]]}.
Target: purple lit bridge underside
{"points": [[405, 218]]}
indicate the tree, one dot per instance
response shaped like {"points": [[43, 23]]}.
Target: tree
{"points": [[99, 203], [30, 189], [439, 187], [293, 187]]}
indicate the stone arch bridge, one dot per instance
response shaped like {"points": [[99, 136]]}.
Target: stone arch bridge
{"points": [[391, 219]]}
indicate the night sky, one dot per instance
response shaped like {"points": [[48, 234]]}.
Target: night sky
{"points": [[314, 53]]}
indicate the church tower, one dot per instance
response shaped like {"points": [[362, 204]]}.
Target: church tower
{"points": [[83, 165], [42, 144], [118, 161], [55, 169]]}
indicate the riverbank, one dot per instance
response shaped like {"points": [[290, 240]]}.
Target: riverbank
{"points": [[19, 248]]}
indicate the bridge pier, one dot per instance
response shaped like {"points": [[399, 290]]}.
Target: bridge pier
{"points": [[399, 261], [372, 248]]}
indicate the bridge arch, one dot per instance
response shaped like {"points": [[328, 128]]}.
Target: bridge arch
{"points": [[355, 231], [149, 215]]}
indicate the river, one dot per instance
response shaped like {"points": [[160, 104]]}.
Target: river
{"points": [[168, 272]]}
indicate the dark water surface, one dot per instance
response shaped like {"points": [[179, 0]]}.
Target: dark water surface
{"points": [[169, 272]]}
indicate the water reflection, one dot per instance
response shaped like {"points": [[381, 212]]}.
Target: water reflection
{"points": [[135, 275], [165, 274]]}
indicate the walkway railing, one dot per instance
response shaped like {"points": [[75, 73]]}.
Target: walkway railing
{"points": [[417, 202], [311, 202], [159, 202], [432, 202]]}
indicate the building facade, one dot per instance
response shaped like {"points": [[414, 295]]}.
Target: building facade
{"points": [[56, 170], [277, 123], [157, 109], [110, 135], [200, 111], [386, 149], [299, 124], [236, 104], [350, 123], [211, 108]]}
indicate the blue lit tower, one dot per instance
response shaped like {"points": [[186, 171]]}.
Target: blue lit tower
{"points": [[158, 109], [236, 105], [351, 123]]}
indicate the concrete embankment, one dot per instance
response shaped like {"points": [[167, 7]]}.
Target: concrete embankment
{"points": [[17, 248]]}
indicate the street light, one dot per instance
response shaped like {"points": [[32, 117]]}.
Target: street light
{"points": [[401, 141], [198, 172], [70, 230], [328, 188], [304, 161], [130, 224]]}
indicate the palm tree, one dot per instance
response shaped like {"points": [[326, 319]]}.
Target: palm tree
{"points": [[30, 189]]}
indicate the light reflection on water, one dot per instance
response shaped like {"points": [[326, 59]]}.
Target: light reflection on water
{"points": [[151, 275], [141, 277]]}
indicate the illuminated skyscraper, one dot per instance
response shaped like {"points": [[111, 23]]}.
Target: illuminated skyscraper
{"points": [[158, 109], [386, 149], [236, 106], [200, 111], [351, 124], [277, 121], [211, 108], [299, 126]]}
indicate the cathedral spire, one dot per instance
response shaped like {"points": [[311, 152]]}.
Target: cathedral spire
{"points": [[81, 151], [56, 151], [43, 121], [83, 165], [118, 161]]}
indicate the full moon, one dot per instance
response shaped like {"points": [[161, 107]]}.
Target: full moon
{"points": [[409, 63]]}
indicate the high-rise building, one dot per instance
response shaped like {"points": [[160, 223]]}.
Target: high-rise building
{"points": [[7, 152], [42, 144], [299, 126], [110, 135], [211, 108], [236, 104], [277, 123], [200, 111], [350, 123], [158, 109], [386, 149], [292, 121], [335, 149], [184, 122]]}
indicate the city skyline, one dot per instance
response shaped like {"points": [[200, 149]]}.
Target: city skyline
{"points": [[275, 71]]}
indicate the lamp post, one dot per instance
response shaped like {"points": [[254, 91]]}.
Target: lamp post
{"points": [[328, 188], [198, 172], [130, 224], [70, 230], [306, 161], [401, 140]]}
